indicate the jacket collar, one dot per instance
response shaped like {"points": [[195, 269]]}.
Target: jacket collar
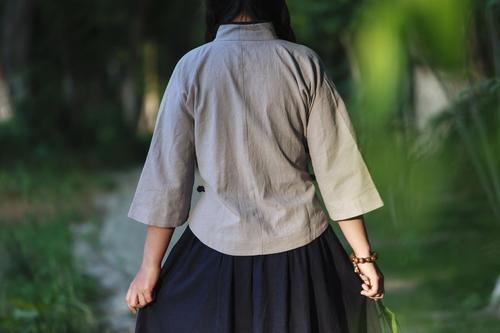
{"points": [[246, 31]]}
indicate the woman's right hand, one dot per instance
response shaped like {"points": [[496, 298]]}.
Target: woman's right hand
{"points": [[141, 288], [373, 280]]}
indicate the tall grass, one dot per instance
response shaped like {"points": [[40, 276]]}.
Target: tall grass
{"points": [[42, 289]]}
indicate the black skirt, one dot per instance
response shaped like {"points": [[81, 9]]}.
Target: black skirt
{"points": [[309, 289]]}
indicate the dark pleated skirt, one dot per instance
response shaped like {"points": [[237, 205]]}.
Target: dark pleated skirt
{"points": [[309, 289]]}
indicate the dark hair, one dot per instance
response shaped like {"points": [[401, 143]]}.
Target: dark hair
{"points": [[219, 12]]}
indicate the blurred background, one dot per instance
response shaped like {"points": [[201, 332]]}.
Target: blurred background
{"points": [[80, 84]]}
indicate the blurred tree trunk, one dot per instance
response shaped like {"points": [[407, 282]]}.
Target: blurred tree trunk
{"points": [[16, 36], [5, 105], [494, 305], [129, 88], [430, 96], [128, 96], [151, 99]]}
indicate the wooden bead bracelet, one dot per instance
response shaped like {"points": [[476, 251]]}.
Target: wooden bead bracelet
{"points": [[360, 260]]}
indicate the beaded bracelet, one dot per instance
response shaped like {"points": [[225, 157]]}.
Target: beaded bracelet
{"points": [[359, 260]]}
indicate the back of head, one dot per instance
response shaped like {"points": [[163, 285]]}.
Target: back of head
{"points": [[219, 12]]}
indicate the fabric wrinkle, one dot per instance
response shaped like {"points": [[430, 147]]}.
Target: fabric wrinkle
{"points": [[249, 111]]}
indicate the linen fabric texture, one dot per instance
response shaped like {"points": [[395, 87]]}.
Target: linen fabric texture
{"points": [[249, 110]]}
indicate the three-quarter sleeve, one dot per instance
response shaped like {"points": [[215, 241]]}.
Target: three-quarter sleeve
{"points": [[163, 194], [346, 186]]}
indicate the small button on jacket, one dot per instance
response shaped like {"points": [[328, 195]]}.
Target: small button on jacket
{"points": [[250, 109]]}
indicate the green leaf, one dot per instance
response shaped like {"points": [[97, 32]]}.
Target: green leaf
{"points": [[388, 319]]}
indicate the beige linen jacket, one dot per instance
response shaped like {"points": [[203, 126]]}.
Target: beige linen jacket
{"points": [[249, 110]]}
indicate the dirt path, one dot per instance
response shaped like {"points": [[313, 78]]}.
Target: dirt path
{"points": [[112, 250]]}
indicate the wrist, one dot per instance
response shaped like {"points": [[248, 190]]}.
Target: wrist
{"points": [[150, 266], [362, 253]]}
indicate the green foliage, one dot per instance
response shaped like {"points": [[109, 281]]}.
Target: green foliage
{"points": [[323, 25], [438, 29], [69, 96], [472, 130], [388, 34], [42, 290], [388, 318]]}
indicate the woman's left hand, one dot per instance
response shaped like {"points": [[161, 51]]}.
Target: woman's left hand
{"points": [[141, 288], [373, 280]]}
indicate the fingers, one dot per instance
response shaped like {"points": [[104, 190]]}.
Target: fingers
{"points": [[365, 279], [127, 297], [132, 302], [148, 296], [142, 301], [372, 288], [136, 300]]}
